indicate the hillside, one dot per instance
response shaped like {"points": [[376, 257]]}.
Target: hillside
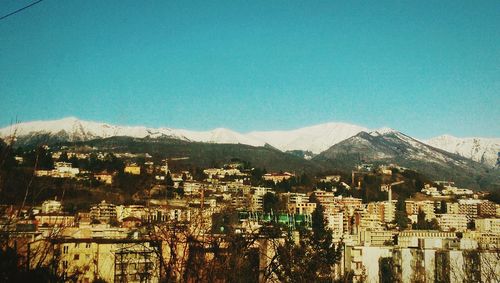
{"points": [[386, 147], [202, 155]]}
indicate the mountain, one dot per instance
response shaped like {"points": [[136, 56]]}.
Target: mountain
{"points": [[220, 135], [197, 154], [388, 146], [72, 129], [314, 139], [482, 150], [306, 142]]}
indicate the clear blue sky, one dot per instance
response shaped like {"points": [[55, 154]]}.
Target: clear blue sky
{"points": [[422, 67]]}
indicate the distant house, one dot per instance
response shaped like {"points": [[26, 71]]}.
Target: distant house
{"points": [[55, 219], [51, 206], [61, 170], [133, 169], [221, 172], [330, 179], [277, 177], [103, 212], [104, 177], [131, 222], [65, 169]]}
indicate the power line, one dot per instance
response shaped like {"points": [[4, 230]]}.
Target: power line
{"points": [[19, 10]]}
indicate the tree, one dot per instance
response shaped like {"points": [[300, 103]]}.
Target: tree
{"points": [[423, 224], [63, 157], [402, 219], [310, 259], [170, 186], [386, 271], [270, 202]]}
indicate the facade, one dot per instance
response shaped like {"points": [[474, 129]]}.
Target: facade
{"points": [[489, 225], [103, 212], [104, 177], [133, 169], [487, 209], [452, 222], [112, 260], [51, 206], [363, 262], [277, 177], [414, 207], [55, 219], [330, 179]]}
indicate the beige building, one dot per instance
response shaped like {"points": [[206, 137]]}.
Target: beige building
{"points": [[103, 212], [452, 222], [133, 169], [413, 208], [104, 177], [277, 177], [112, 260], [491, 225]]}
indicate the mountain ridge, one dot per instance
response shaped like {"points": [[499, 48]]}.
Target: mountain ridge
{"points": [[314, 139], [397, 148]]}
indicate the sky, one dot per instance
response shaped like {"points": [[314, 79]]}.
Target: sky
{"points": [[425, 68]]}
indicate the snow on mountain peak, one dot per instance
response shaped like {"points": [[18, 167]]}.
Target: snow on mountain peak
{"points": [[383, 131], [483, 150], [316, 138]]}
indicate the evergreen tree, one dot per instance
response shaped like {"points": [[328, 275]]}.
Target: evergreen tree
{"points": [[312, 259], [270, 202]]}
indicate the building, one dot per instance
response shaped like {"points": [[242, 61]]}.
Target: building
{"points": [[277, 177], [469, 207], [104, 177], [257, 200], [324, 197], [133, 169], [61, 170], [103, 212], [330, 179], [335, 221], [452, 222], [363, 261], [55, 219], [112, 260], [491, 225], [221, 172], [301, 207], [51, 206], [487, 209], [413, 207]]}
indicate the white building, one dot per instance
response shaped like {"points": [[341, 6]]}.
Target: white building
{"points": [[51, 206], [491, 225], [452, 222]]}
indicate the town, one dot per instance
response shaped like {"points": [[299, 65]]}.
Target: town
{"points": [[236, 223]]}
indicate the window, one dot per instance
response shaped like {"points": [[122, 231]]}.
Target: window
{"points": [[65, 249], [76, 257], [65, 264], [87, 245]]}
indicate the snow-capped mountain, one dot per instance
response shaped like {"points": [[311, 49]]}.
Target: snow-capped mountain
{"points": [[73, 129], [389, 146], [387, 143], [482, 150], [220, 135], [315, 138]]}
